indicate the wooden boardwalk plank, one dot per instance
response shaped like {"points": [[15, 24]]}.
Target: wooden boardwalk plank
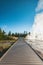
{"points": [[21, 54]]}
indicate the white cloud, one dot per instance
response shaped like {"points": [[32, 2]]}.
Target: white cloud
{"points": [[39, 6]]}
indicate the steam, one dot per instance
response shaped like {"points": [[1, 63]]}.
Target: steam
{"points": [[39, 6], [37, 28]]}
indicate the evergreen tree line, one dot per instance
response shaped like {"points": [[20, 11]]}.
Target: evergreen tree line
{"points": [[4, 36]]}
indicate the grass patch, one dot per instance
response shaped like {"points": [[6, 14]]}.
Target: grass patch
{"points": [[5, 45]]}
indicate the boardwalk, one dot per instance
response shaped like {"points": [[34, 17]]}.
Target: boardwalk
{"points": [[21, 54]]}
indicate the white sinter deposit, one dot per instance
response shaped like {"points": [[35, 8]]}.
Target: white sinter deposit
{"points": [[36, 35]]}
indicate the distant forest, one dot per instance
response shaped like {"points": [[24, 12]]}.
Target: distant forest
{"points": [[4, 36]]}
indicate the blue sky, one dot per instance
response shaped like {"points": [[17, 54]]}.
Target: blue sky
{"points": [[17, 15]]}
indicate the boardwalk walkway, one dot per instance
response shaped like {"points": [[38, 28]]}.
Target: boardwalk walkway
{"points": [[21, 54]]}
